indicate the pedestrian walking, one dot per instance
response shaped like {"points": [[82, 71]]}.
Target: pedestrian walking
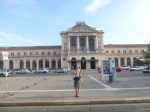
{"points": [[77, 82]]}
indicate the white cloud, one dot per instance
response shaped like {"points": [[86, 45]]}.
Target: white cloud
{"points": [[15, 40], [95, 4]]}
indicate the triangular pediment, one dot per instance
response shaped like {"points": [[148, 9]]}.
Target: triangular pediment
{"points": [[81, 28]]}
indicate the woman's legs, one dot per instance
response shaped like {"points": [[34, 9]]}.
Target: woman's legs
{"points": [[76, 90]]}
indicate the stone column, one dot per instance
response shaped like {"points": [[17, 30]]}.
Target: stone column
{"points": [[37, 64], [43, 63], [131, 62], [87, 44], [18, 64], [15, 64], [78, 44], [31, 64], [56, 64], [125, 61], [49, 64], [119, 62], [96, 44], [24, 61], [68, 44], [87, 64]]}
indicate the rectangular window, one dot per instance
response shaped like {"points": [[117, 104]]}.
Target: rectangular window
{"points": [[25, 53], [37, 53], [112, 51], [43, 53], [118, 51], [48, 53], [65, 47], [136, 51], [12, 54], [124, 51], [107, 51], [18, 53], [31, 53], [130, 51], [54, 53], [142, 51]]}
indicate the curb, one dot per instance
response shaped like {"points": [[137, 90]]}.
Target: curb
{"points": [[68, 102]]}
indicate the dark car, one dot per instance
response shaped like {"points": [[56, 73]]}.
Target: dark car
{"points": [[146, 70]]}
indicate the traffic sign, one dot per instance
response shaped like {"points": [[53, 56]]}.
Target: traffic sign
{"points": [[5, 56]]}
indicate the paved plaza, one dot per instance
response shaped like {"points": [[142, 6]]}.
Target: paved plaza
{"points": [[57, 89]]}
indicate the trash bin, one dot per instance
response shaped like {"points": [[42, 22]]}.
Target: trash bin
{"points": [[110, 77]]}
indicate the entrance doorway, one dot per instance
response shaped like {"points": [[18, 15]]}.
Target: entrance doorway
{"points": [[92, 63], [83, 63], [73, 63]]}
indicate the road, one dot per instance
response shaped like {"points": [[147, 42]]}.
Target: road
{"points": [[63, 81], [140, 107]]}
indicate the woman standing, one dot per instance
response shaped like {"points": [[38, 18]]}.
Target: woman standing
{"points": [[77, 82]]}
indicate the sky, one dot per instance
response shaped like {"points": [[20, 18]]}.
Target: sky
{"points": [[39, 22]]}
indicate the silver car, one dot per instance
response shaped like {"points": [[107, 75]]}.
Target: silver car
{"points": [[22, 71], [41, 70], [3, 73], [60, 70]]}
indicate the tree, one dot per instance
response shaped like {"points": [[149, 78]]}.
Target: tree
{"points": [[147, 53]]}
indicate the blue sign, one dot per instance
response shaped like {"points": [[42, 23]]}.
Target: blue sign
{"points": [[113, 61], [64, 59]]}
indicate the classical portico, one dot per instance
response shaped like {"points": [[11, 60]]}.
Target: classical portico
{"points": [[82, 46]]}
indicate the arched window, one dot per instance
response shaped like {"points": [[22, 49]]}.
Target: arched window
{"points": [[11, 64], [82, 44], [128, 61], [28, 64], [91, 44], [40, 63], [116, 62], [122, 61], [73, 44]]}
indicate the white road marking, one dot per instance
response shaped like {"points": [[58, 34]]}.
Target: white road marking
{"points": [[70, 90], [106, 86]]}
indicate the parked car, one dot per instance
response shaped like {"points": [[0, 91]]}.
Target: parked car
{"points": [[41, 70], [60, 70], [67, 68], [3, 73], [118, 69], [9, 71], [22, 71], [145, 70], [125, 67], [137, 68]]}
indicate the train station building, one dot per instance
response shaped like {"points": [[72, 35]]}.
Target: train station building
{"points": [[81, 45]]}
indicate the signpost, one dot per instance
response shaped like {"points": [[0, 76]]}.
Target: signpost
{"points": [[108, 70], [5, 59]]}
